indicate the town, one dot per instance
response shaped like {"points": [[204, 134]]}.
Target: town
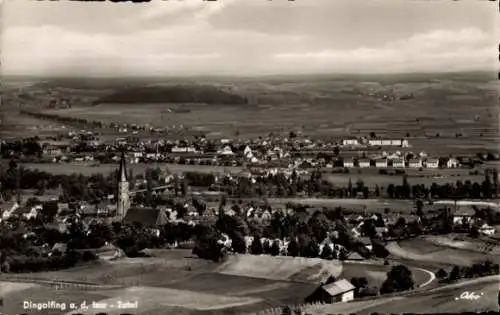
{"points": [[246, 157]]}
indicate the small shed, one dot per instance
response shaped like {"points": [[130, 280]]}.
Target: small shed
{"points": [[338, 291]]}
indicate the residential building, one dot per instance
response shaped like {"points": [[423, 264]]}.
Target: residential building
{"points": [[338, 291], [432, 163], [486, 229], [348, 163], [381, 163], [464, 215], [398, 163], [364, 163], [415, 163], [452, 163], [375, 142], [350, 142], [397, 143]]}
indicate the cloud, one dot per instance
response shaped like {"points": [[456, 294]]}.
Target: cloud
{"points": [[197, 47], [439, 50]]}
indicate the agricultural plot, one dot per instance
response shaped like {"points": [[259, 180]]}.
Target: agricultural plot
{"points": [[415, 250], [279, 267]]}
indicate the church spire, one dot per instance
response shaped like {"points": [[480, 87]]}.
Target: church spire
{"points": [[122, 172]]}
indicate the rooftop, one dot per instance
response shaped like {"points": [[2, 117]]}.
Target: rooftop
{"points": [[338, 287]]}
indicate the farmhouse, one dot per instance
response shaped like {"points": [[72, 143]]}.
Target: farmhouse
{"points": [[415, 163], [432, 163], [363, 163], [338, 291], [348, 163], [398, 163], [382, 163]]}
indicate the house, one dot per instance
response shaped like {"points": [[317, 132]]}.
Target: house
{"points": [[432, 163], [452, 163], [350, 142], [375, 142], [398, 163], [338, 291], [60, 248], [8, 209], [486, 229], [348, 163], [464, 215], [381, 163], [415, 163], [364, 163], [397, 143]]}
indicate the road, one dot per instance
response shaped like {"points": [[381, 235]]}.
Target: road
{"points": [[444, 299]]}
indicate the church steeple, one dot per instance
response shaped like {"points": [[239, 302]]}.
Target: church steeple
{"points": [[123, 197], [122, 172]]}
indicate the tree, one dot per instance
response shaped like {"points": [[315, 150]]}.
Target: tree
{"points": [[420, 206], [49, 211], [399, 279], [327, 252], [368, 228], [390, 190], [330, 279], [238, 243], [454, 274], [207, 246], [293, 248], [441, 274], [275, 249], [256, 246]]}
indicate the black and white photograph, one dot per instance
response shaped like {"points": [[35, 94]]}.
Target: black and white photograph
{"points": [[263, 157]]}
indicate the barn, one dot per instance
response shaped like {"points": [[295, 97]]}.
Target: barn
{"points": [[338, 291]]}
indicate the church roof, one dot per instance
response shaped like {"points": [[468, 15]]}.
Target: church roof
{"points": [[147, 217]]}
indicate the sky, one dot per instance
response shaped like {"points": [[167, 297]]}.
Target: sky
{"points": [[248, 37]]}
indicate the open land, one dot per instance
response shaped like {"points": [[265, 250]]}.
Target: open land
{"points": [[176, 278], [443, 106]]}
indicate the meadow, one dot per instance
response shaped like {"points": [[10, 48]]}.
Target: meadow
{"points": [[176, 281], [327, 107]]}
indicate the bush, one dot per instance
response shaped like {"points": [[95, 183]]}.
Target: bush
{"points": [[441, 274]]}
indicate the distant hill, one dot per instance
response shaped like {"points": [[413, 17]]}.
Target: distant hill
{"points": [[173, 94]]}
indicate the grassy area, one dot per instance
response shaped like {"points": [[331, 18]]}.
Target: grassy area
{"points": [[443, 107]]}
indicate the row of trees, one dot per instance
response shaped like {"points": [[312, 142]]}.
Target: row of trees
{"points": [[483, 269]]}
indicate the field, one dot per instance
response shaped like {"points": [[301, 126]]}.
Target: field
{"points": [[425, 251], [179, 283], [327, 107]]}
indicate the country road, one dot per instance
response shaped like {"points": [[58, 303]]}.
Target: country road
{"points": [[445, 299]]}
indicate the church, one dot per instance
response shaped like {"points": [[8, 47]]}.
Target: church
{"points": [[147, 217]]}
